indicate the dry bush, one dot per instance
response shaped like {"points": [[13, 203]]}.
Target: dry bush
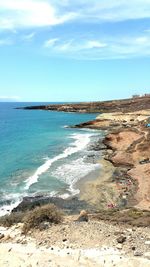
{"points": [[131, 216], [47, 213], [11, 219]]}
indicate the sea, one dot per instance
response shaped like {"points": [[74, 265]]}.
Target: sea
{"points": [[40, 154]]}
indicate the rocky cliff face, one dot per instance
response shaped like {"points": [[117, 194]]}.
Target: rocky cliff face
{"points": [[127, 143]]}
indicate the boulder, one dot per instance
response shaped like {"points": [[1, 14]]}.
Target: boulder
{"points": [[83, 217]]}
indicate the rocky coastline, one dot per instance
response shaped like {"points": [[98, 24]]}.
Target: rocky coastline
{"points": [[126, 148], [113, 229], [125, 164], [121, 105]]}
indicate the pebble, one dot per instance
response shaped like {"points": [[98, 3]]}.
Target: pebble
{"points": [[65, 239], [138, 253], [147, 242], [1, 236], [121, 239], [119, 246], [129, 230]]}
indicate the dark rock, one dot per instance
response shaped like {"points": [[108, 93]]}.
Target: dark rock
{"points": [[138, 253], [71, 205], [44, 226], [2, 236], [121, 239], [65, 239]]}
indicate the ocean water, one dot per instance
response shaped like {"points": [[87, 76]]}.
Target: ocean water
{"points": [[39, 155]]}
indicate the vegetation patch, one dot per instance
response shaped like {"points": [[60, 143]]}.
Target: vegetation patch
{"points": [[11, 219], [133, 216], [47, 213], [33, 218]]}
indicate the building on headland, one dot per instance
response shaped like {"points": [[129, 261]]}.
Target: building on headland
{"points": [[137, 96], [146, 95]]}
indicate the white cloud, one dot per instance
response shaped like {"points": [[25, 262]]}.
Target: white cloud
{"points": [[72, 45], [28, 37], [30, 13], [17, 98], [66, 46], [114, 10], [50, 42], [142, 40], [111, 47], [37, 13], [94, 44]]}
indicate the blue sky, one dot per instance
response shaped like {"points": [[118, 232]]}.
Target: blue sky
{"points": [[65, 50]]}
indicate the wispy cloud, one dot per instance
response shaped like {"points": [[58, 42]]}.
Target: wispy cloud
{"points": [[114, 10], [94, 44], [50, 42], [73, 45], [10, 98], [112, 47], [89, 29], [28, 37]]}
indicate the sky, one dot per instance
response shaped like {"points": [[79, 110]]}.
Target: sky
{"points": [[65, 50]]}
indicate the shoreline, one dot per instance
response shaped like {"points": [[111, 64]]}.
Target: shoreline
{"points": [[116, 183], [127, 151], [115, 234]]}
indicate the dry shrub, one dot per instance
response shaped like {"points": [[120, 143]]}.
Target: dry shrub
{"points": [[47, 213], [130, 216], [11, 219]]}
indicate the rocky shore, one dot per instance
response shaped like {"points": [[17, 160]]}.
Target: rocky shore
{"points": [[114, 229], [126, 159]]}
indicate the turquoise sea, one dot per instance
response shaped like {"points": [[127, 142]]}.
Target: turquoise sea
{"points": [[39, 155]]}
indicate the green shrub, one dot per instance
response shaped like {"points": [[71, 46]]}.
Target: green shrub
{"points": [[47, 213]]}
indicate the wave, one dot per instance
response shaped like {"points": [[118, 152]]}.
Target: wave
{"points": [[81, 141], [73, 171], [10, 201]]}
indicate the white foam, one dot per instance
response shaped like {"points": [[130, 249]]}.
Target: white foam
{"points": [[73, 171], [15, 200], [81, 141]]}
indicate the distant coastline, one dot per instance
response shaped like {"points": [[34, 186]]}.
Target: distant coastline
{"points": [[122, 105]]}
